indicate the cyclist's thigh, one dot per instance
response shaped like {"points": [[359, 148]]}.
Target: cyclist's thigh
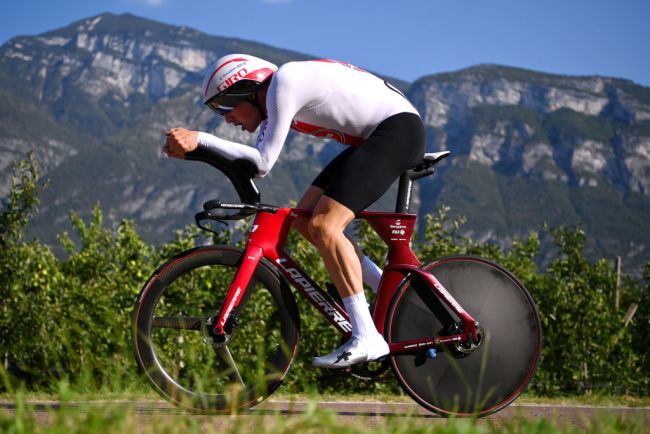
{"points": [[319, 184], [328, 173], [310, 198], [366, 174]]}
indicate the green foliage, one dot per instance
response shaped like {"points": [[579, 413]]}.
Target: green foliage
{"points": [[442, 236], [22, 201], [638, 295], [587, 345], [69, 318], [27, 276], [103, 276]]}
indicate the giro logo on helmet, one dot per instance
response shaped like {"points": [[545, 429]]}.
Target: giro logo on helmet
{"points": [[233, 78]]}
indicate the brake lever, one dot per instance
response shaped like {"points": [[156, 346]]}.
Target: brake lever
{"points": [[199, 217]]}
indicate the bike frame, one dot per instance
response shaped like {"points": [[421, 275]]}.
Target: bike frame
{"points": [[267, 238]]}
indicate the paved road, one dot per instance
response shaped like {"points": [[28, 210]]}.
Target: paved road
{"points": [[375, 413], [371, 413]]}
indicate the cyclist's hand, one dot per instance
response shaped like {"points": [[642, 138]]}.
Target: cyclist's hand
{"points": [[179, 141]]}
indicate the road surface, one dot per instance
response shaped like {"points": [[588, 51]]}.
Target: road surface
{"points": [[368, 413]]}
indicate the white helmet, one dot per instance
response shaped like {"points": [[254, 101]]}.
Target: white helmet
{"points": [[232, 79]]}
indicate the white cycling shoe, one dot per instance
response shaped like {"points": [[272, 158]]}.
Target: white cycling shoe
{"points": [[352, 352]]}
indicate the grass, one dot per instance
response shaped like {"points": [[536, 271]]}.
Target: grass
{"points": [[118, 418], [76, 409], [590, 399], [118, 408]]}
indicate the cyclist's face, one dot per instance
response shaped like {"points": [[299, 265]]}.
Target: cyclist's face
{"points": [[245, 115]]}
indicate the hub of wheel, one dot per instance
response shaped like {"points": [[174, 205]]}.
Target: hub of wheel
{"points": [[469, 346], [210, 337]]}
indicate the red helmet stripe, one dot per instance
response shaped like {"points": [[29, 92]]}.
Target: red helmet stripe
{"points": [[207, 86], [264, 71]]}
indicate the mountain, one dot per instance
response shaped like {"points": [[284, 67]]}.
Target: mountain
{"points": [[533, 148], [93, 99]]}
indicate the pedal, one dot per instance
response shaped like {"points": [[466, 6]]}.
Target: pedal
{"points": [[371, 371]]}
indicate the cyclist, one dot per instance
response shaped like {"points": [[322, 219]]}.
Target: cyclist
{"points": [[330, 99]]}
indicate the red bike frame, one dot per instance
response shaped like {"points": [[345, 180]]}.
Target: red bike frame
{"points": [[267, 238]]}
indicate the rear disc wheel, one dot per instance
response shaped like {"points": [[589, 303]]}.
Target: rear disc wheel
{"points": [[466, 380]]}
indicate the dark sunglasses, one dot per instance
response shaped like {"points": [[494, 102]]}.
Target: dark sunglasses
{"points": [[224, 103], [219, 109]]}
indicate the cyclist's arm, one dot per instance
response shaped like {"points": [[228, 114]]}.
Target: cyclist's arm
{"points": [[281, 106], [232, 150], [263, 155]]}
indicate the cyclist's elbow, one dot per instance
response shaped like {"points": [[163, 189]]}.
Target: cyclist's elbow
{"points": [[263, 167], [262, 170]]}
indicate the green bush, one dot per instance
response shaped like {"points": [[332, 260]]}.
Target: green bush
{"points": [[587, 344]]}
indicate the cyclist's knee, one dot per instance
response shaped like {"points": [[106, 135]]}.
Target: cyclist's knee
{"points": [[322, 231]]}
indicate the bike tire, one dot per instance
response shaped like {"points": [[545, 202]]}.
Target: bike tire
{"points": [[491, 377], [173, 347]]}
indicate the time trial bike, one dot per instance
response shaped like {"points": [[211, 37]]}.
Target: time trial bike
{"points": [[216, 328]]}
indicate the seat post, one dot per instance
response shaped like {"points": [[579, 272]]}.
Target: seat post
{"points": [[425, 168], [404, 193]]}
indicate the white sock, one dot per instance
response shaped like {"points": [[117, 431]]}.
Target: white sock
{"points": [[363, 328], [370, 273]]}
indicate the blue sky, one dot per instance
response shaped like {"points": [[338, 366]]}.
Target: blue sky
{"points": [[405, 39]]}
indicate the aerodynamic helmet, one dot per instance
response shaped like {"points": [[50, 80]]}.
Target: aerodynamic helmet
{"points": [[233, 78]]}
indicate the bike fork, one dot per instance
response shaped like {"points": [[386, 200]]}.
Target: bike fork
{"points": [[250, 260]]}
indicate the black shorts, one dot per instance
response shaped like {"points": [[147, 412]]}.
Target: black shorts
{"points": [[360, 175]]}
